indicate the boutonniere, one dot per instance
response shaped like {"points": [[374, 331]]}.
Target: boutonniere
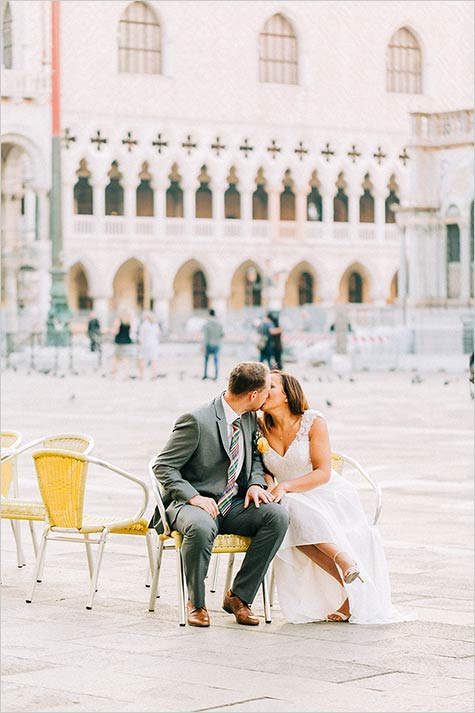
{"points": [[262, 443]]}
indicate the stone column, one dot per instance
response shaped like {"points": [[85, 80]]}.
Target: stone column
{"points": [[301, 209], [354, 193], [189, 188], [465, 266], [101, 307], [274, 211], [99, 197], [130, 199], [42, 214], [379, 214]]}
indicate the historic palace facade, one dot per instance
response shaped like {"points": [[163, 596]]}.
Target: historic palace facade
{"points": [[240, 154]]}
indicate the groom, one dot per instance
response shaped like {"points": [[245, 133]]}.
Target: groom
{"points": [[213, 482]]}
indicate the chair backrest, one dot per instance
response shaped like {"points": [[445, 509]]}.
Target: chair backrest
{"points": [[156, 490], [62, 482], [9, 440], [339, 460], [70, 442]]}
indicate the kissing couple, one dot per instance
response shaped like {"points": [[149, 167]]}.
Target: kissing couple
{"points": [[218, 477]]}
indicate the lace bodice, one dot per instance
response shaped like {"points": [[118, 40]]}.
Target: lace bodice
{"points": [[296, 460]]}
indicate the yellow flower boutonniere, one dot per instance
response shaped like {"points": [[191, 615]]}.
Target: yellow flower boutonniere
{"points": [[262, 444]]}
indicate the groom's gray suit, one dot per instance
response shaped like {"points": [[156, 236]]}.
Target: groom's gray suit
{"points": [[195, 461]]}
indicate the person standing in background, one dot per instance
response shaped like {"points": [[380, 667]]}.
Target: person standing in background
{"points": [[149, 341], [212, 336], [94, 332]]}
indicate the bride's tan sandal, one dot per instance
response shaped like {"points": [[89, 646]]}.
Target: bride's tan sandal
{"points": [[341, 617], [350, 574]]}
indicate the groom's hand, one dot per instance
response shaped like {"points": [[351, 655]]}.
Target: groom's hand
{"points": [[257, 495], [206, 504]]}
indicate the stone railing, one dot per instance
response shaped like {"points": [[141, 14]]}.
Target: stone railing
{"points": [[443, 129], [21, 85], [145, 230]]}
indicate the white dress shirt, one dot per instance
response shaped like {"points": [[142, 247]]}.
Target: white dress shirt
{"points": [[230, 415]]}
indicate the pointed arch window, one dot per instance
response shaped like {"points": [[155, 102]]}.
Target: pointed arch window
{"points": [[232, 197], [355, 288], [140, 49], [287, 199], [7, 37], [404, 63], [114, 192], [204, 196], [144, 193], [340, 202], [391, 200], [253, 288], [200, 297], [260, 198], [314, 200], [305, 288], [83, 194], [367, 202], [174, 195], [278, 62]]}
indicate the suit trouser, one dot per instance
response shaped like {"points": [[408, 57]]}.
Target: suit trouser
{"points": [[267, 526]]}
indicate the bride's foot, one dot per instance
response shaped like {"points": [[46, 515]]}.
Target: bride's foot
{"points": [[348, 567], [343, 613]]}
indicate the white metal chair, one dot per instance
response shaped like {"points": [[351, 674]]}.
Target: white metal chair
{"points": [[62, 477], [16, 509], [171, 539]]}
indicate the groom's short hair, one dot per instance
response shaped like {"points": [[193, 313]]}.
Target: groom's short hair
{"points": [[247, 376]]}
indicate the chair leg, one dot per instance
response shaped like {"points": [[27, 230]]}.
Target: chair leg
{"points": [[151, 570], [39, 564], [90, 562], [229, 572], [214, 576], [265, 597], [272, 585], [181, 587], [97, 567], [156, 574], [20, 557], [33, 537]]}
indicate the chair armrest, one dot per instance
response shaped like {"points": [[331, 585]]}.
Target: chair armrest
{"points": [[158, 498], [376, 487]]}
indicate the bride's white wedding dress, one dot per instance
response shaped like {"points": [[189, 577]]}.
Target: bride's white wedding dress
{"points": [[331, 512]]}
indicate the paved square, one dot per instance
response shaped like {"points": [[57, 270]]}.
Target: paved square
{"points": [[415, 438]]}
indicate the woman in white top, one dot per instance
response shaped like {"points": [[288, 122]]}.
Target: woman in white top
{"points": [[331, 564], [149, 343]]}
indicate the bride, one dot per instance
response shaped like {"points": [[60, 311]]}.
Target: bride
{"points": [[331, 564]]}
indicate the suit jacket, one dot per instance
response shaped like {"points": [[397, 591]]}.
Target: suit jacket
{"points": [[195, 459]]}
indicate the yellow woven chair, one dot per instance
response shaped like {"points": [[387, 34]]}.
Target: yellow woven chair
{"points": [[10, 441], [171, 539], [16, 509], [339, 460], [62, 477]]}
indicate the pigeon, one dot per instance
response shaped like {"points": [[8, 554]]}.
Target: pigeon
{"points": [[328, 403], [351, 379], [446, 383], [72, 397]]}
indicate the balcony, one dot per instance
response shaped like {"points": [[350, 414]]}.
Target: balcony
{"points": [[201, 230], [20, 85], [442, 130]]}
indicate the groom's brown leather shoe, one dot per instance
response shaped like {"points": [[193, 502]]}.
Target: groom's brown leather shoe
{"points": [[197, 616], [233, 605]]}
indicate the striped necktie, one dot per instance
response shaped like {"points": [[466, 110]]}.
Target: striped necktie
{"points": [[224, 502]]}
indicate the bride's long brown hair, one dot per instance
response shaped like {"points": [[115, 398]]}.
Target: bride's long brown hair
{"points": [[296, 398]]}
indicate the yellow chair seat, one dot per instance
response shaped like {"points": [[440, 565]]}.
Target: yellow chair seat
{"points": [[223, 544], [14, 509], [96, 523]]}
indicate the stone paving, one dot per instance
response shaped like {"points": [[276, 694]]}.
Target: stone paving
{"points": [[415, 438]]}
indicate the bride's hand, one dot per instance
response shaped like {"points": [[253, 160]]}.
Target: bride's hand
{"points": [[278, 492]]}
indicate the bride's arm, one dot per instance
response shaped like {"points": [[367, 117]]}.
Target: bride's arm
{"points": [[320, 455]]}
